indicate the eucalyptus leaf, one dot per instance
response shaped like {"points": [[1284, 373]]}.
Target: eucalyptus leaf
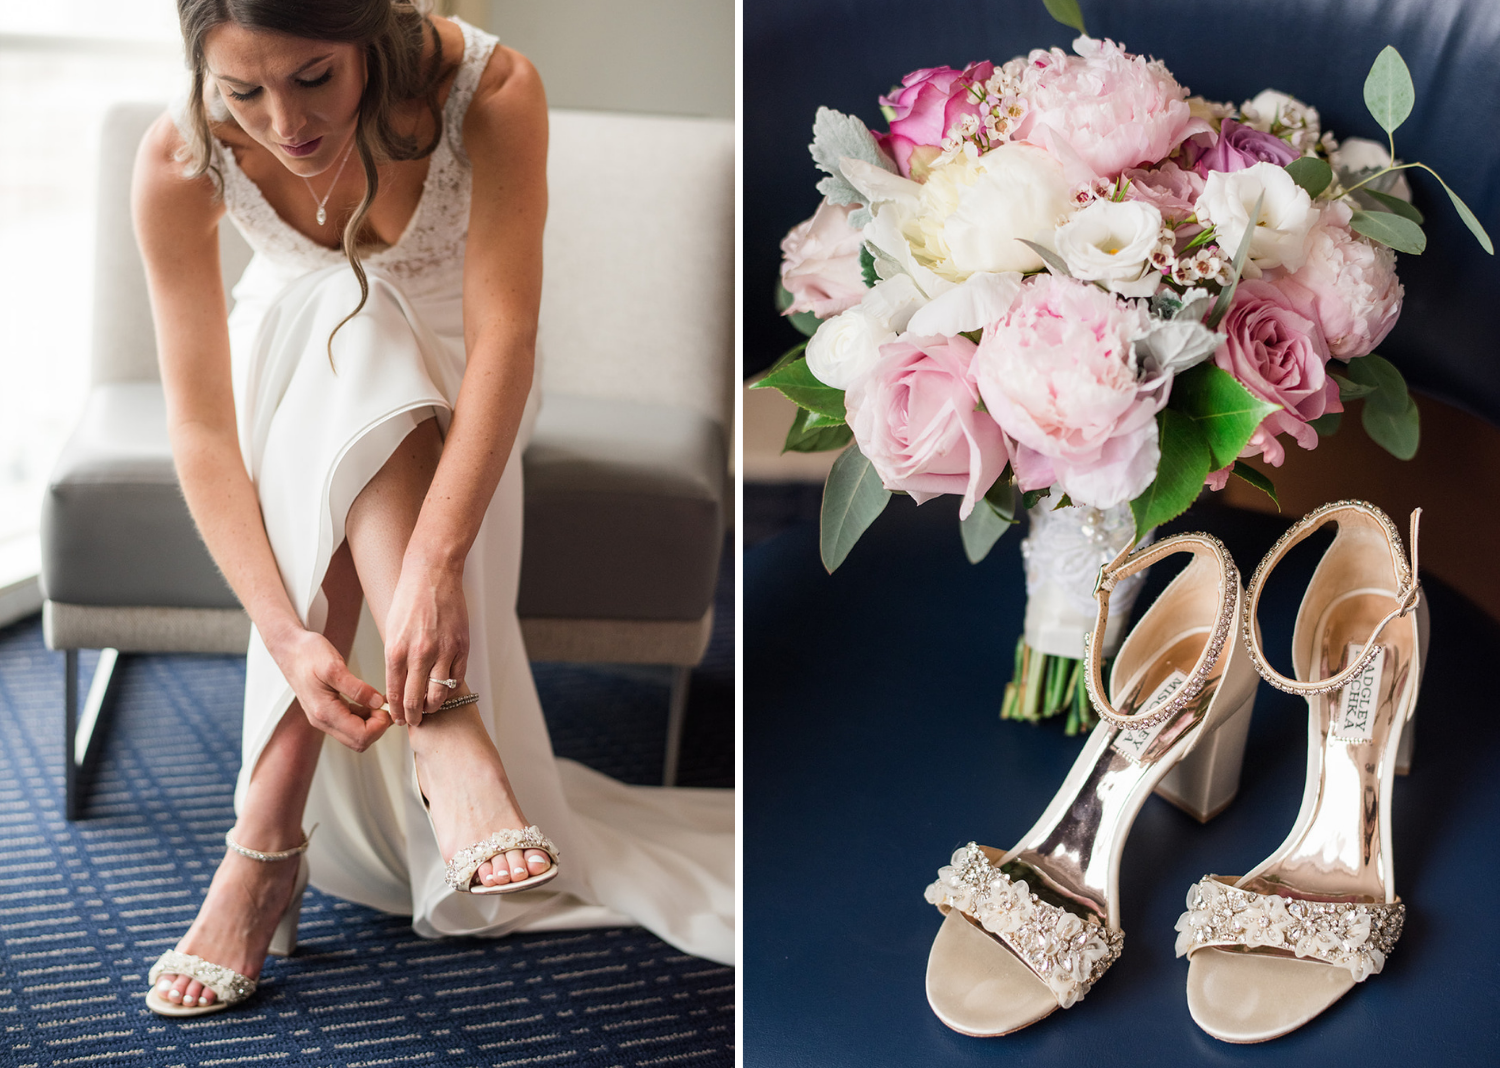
{"points": [[853, 498], [1311, 173], [1066, 12], [1398, 433], [803, 388], [1257, 479], [1384, 381], [1470, 220], [1052, 259], [1390, 229], [982, 529], [1241, 254], [1327, 425], [1225, 412], [1394, 204], [1388, 90], [811, 432], [867, 266], [1185, 463], [1350, 390]]}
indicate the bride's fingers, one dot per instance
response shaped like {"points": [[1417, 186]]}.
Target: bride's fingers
{"points": [[356, 689], [358, 731], [395, 683], [419, 671], [438, 690]]}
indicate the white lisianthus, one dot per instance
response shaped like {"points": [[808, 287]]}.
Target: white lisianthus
{"points": [[1112, 242], [847, 346], [1286, 215]]}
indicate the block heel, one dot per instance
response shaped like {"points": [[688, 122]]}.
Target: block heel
{"points": [[1207, 779]]}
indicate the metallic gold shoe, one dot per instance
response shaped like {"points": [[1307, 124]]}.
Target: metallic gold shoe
{"points": [[1031, 930], [1272, 949], [229, 986]]}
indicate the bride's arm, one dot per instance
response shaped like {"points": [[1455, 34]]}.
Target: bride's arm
{"points": [[505, 135], [176, 223]]}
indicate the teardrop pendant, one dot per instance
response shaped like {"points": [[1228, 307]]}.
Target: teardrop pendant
{"points": [[322, 216]]}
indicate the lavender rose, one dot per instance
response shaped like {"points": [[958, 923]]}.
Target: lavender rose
{"points": [[1278, 352], [820, 263], [914, 418], [1240, 146]]}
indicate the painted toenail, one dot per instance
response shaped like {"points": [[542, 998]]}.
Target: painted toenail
{"points": [[189, 1001]]}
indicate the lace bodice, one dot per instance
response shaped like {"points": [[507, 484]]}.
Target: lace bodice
{"points": [[429, 254]]}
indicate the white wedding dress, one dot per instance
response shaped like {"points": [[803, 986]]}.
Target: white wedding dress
{"points": [[312, 433]]}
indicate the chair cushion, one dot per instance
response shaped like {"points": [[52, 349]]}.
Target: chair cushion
{"points": [[624, 511], [115, 528]]}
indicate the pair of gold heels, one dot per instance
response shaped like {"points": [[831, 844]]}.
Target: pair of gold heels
{"points": [[1030, 930]]}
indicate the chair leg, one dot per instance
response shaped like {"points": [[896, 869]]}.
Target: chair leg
{"points": [[82, 738], [676, 716]]}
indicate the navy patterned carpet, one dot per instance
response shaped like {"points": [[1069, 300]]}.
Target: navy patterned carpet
{"points": [[85, 908]]}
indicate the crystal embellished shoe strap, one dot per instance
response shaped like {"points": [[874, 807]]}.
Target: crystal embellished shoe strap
{"points": [[1408, 591], [1123, 566], [230, 986], [1347, 934], [1066, 952], [465, 863]]}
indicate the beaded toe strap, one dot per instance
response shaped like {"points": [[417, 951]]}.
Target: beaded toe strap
{"points": [[1354, 935], [229, 986], [1066, 952], [466, 862]]}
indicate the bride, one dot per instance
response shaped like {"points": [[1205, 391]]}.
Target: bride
{"points": [[348, 441]]}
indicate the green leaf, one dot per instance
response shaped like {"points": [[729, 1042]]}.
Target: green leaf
{"points": [[1395, 231], [811, 432], [853, 498], [1397, 433], [1388, 90], [867, 266], [1243, 470], [793, 353], [803, 389], [1396, 204], [1470, 220], [1327, 425], [1350, 390], [1066, 12], [1225, 412], [806, 322], [1030, 497], [1202, 237], [1052, 259], [1185, 463], [1311, 173], [1386, 388], [1066, 502], [1241, 254], [985, 525]]}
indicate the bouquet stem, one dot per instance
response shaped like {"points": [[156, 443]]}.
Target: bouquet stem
{"points": [[1044, 685]]}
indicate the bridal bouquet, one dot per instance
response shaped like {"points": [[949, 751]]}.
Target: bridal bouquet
{"points": [[1064, 284]]}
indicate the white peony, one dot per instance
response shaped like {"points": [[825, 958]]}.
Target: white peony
{"points": [[1112, 243], [1286, 215], [848, 345], [973, 305]]}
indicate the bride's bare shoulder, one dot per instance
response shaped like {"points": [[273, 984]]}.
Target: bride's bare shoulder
{"points": [[161, 190], [509, 102]]}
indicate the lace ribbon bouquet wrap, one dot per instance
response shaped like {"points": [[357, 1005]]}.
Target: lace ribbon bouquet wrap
{"points": [[1065, 285]]}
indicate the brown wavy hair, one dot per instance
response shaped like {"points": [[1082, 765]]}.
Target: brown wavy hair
{"points": [[391, 34]]}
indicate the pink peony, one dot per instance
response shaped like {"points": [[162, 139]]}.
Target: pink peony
{"points": [[1056, 373], [1240, 146], [1348, 284], [1106, 108], [928, 104], [1278, 353], [1169, 189], [820, 263], [915, 420]]}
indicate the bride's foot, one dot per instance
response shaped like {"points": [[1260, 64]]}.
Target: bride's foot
{"points": [[470, 796], [234, 926]]}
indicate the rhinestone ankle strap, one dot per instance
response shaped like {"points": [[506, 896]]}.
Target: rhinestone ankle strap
{"points": [[256, 854]]}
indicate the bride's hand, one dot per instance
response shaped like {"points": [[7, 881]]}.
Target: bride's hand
{"points": [[322, 682], [426, 638]]}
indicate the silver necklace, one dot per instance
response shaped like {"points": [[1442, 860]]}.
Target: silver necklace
{"points": [[323, 204]]}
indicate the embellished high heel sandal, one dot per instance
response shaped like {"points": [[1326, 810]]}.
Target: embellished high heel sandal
{"points": [[229, 986], [1031, 930], [465, 863], [1272, 949]]}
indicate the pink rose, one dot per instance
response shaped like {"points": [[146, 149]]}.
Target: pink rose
{"points": [[915, 420], [928, 104], [1106, 108], [1169, 189], [1056, 373], [1240, 146], [1348, 284], [1278, 353], [820, 263]]}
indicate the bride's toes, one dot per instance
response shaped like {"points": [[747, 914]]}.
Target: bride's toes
{"points": [[179, 986], [487, 874], [515, 860], [207, 997], [190, 995], [537, 861]]}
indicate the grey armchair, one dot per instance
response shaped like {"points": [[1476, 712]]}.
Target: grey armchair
{"points": [[626, 473]]}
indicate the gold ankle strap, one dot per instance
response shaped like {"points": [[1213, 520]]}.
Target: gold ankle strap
{"points": [[1408, 590], [1127, 564], [256, 854]]}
